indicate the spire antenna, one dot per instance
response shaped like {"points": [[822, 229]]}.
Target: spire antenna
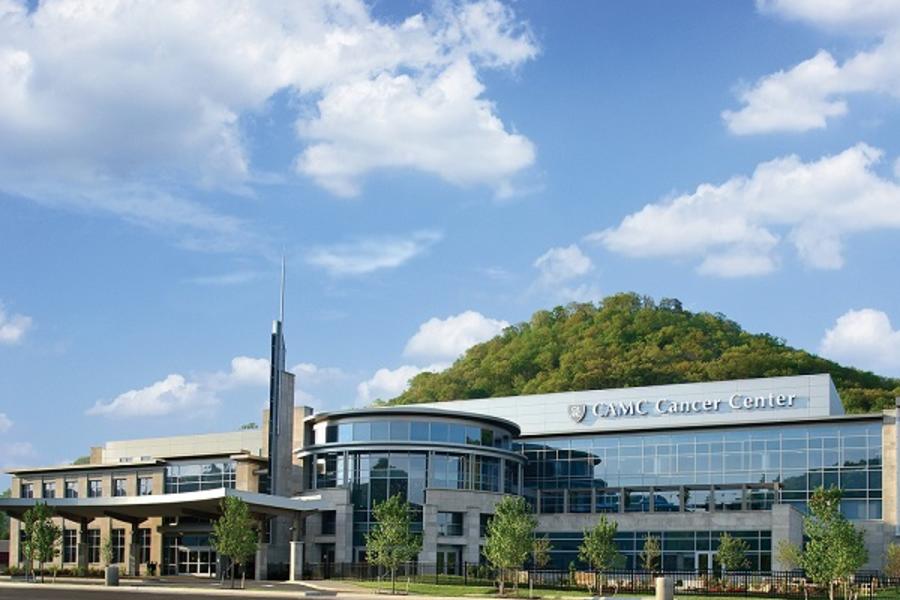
{"points": [[281, 307]]}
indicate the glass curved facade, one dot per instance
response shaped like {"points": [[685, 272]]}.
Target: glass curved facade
{"points": [[794, 459], [411, 430]]}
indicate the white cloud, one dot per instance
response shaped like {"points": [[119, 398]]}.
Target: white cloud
{"points": [[585, 292], [170, 84], [185, 396], [736, 228], [226, 279], [447, 339], [388, 383], [453, 132], [12, 326], [864, 338], [5, 423], [172, 395], [809, 94], [371, 254], [558, 265], [14, 454]]}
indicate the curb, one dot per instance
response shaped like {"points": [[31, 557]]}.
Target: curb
{"points": [[157, 589]]}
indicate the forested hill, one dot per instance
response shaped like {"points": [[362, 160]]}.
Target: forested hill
{"points": [[628, 340]]}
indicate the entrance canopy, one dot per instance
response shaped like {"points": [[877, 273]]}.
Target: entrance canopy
{"points": [[135, 509]]}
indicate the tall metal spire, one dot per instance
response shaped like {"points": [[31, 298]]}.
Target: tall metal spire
{"points": [[281, 308]]}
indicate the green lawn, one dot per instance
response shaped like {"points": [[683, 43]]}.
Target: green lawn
{"points": [[450, 590]]}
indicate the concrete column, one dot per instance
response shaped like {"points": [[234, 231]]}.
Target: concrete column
{"points": [[296, 573], [83, 545], [134, 552], [428, 554], [593, 500], [787, 524], [343, 533], [262, 553], [471, 527]]}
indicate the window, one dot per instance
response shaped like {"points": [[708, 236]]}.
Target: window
{"points": [[144, 536], [48, 489], [552, 501], [192, 477], [328, 520], [145, 486], [71, 489], [26, 490], [117, 539], [484, 518], [70, 546], [580, 501], [95, 488], [93, 545], [119, 487], [450, 523]]}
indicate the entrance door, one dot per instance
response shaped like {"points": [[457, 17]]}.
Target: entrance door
{"points": [[449, 560], [707, 562], [196, 561]]}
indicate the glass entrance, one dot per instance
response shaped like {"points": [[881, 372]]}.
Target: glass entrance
{"points": [[707, 562], [196, 561], [449, 560], [188, 554]]}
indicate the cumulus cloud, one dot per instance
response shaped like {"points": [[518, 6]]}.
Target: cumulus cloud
{"points": [[809, 94], [558, 265], [171, 85], [370, 254], [5, 423], [440, 341], [736, 228], [447, 339], [388, 383], [199, 394], [864, 338], [12, 326]]}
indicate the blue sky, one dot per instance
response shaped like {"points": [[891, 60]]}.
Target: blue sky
{"points": [[431, 171]]}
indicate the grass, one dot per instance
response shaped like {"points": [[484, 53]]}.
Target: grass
{"points": [[459, 591]]}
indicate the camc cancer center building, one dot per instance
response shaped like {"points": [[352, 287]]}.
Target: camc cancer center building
{"points": [[682, 462]]}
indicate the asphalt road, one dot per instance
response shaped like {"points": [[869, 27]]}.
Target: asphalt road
{"points": [[11, 593]]}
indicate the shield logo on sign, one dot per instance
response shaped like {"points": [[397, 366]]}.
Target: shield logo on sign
{"points": [[577, 412]]}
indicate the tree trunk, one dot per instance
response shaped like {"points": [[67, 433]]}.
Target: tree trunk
{"points": [[243, 575], [501, 581], [393, 581], [231, 566], [41, 567]]}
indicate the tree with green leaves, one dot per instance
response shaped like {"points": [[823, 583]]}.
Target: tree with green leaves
{"points": [[835, 549], [235, 534], [540, 553], [42, 536], [4, 519], [732, 553], [629, 340], [599, 550], [892, 560], [510, 536], [391, 542], [651, 553], [788, 555]]}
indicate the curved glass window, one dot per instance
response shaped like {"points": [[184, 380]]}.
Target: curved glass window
{"points": [[798, 458], [385, 430]]}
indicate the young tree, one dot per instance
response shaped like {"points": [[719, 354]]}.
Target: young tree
{"points": [[789, 555], [42, 536], [4, 519], [835, 547], [892, 560], [651, 553], [599, 549], [540, 553], [733, 553], [29, 524], [391, 543], [234, 534], [510, 535]]}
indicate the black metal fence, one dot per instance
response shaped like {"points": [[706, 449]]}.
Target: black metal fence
{"points": [[775, 584]]}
